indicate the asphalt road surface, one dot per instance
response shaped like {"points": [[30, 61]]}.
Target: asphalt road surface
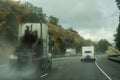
{"points": [[69, 69]]}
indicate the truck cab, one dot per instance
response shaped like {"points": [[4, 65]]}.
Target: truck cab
{"points": [[87, 53], [33, 47]]}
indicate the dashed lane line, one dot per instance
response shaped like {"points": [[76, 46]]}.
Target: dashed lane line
{"points": [[44, 75]]}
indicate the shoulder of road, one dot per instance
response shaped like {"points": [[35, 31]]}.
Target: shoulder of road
{"points": [[114, 58]]}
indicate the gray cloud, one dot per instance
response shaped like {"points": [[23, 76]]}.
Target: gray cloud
{"points": [[93, 16]]}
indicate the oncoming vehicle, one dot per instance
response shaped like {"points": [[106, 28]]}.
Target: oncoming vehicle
{"points": [[88, 53]]}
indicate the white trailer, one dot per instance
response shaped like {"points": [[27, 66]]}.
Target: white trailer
{"points": [[70, 52], [88, 53]]}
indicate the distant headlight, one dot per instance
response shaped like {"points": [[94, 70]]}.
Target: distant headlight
{"points": [[13, 57]]}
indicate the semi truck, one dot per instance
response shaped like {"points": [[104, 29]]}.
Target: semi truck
{"points": [[33, 48], [87, 53]]}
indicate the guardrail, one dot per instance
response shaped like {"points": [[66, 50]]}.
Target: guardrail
{"points": [[114, 58], [55, 59]]}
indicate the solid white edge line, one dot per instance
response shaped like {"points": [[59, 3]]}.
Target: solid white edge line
{"points": [[103, 71], [44, 75]]}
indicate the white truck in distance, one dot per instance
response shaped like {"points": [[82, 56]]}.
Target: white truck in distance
{"points": [[87, 53], [70, 52]]}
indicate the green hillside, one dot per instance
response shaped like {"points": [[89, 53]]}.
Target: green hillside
{"points": [[12, 13]]}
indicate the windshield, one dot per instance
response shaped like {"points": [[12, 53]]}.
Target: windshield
{"points": [[59, 39], [88, 52]]}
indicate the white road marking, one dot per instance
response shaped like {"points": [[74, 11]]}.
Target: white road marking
{"points": [[103, 71], [44, 75]]}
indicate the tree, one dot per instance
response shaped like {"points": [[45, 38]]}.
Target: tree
{"points": [[53, 20], [117, 35], [41, 15], [103, 45], [118, 3], [38, 11], [71, 29], [31, 17], [117, 38]]}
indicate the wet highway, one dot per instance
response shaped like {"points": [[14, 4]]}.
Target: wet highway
{"points": [[69, 69]]}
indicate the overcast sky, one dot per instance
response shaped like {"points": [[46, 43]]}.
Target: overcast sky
{"points": [[94, 19]]}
